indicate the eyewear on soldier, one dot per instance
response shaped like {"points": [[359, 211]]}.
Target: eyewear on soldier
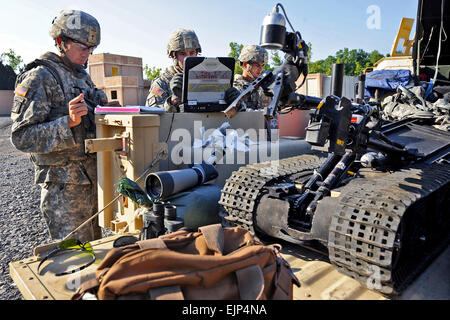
{"points": [[83, 46], [53, 128]]}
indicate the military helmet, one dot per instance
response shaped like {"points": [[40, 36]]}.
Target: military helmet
{"points": [[77, 25], [182, 39], [253, 53]]}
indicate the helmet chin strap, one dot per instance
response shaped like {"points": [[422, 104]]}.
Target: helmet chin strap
{"points": [[62, 49], [175, 63], [177, 66]]}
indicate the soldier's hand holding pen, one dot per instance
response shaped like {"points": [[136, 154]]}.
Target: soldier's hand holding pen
{"points": [[77, 109]]}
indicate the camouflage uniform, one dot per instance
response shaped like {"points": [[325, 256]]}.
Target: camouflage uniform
{"points": [[66, 174], [257, 99], [160, 91], [251, 54]]}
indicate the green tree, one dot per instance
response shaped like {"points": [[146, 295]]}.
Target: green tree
{"points": [[355, 61], [151, 73], [275, 59], [309, 51], [322, 66], [236, 49], [13, 60], [375, 56]]}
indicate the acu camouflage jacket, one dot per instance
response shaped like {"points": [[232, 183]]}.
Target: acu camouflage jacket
{"points": [[160, 91], [40, 115], [257, 100]]}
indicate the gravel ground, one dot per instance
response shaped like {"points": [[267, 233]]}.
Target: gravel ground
{"points": [[22, 227]]}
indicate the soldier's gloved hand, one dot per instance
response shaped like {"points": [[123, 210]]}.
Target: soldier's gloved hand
{"points": [[170, 107], [231, 95], [176, 86]]}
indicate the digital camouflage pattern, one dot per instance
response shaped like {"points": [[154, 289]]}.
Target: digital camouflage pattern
{"points": [[59, 199], [253, 53], [78, 25], [40, 127], [160, 91], [182, 39], [257, 99], [400, 106]]}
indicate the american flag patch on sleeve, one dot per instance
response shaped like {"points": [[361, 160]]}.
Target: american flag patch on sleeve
{"points": [[21, 90], [158, 91]]}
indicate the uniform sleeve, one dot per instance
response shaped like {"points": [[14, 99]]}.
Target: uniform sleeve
{"points": [[159, 96], [31, 130]]}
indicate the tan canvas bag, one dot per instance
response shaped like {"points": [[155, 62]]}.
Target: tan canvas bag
{"points": [[214, 263]]}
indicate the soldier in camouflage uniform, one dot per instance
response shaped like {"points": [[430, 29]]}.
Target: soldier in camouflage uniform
{"points": [[51, 120], [165, 91], [252, 60]]}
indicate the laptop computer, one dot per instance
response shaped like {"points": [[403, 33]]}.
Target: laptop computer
{"points": [[205, 81]]}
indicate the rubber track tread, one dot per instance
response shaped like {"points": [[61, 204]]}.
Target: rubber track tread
{"points": [[362, 232], [243, 189]]}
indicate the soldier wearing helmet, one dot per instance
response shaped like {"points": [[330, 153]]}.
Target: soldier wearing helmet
{"points": [[252, 60], [165, 91], [51, 120]]}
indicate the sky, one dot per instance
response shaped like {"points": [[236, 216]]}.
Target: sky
{"points": [[142, 28]]}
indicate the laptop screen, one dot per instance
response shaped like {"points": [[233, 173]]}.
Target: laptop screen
{"points": [[205, 80]]}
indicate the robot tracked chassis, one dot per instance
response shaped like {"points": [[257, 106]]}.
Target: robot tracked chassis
{"points": [[372, 197]]}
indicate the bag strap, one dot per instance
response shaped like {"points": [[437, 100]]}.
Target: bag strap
{"points": [[284, 277], [283, 284], [154, 243], [49, 67], [214, 237]]}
